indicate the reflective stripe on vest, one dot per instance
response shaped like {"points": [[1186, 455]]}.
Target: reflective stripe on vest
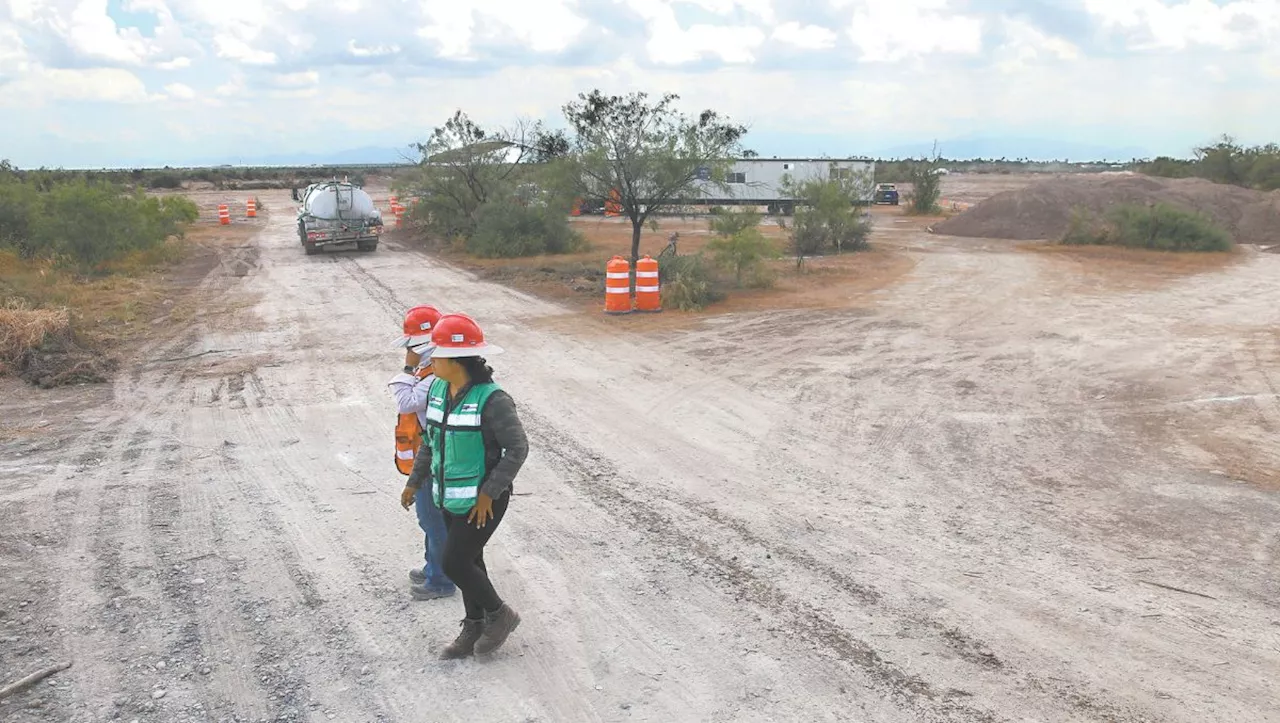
{"points": [[457, 446], [409, 433]]}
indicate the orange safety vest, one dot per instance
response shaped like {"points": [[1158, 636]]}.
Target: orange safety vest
{"points": [[409, 434]]}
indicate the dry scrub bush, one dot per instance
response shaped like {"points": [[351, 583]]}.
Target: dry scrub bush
{"points": [[23, 329], [1159, 226]]}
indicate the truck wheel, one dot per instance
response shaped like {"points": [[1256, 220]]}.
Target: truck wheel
{"points": [[367, 245], [310, 248]]}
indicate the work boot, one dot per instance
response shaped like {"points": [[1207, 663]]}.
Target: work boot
{"points": [[425, 592], [416, 577], [465, 644], [497, 626]]}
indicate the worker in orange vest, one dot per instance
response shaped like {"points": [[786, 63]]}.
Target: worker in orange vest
{"points": [[410, 389]]}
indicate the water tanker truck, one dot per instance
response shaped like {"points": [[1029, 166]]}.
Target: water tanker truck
{"points": [[337, 213]]}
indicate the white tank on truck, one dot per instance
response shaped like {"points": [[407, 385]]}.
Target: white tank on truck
{"points": [[337, 213]]}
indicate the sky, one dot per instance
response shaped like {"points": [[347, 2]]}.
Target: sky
{"points": [[95, 83]]}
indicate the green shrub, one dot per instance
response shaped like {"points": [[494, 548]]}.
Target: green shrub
{"points": [[1160, 226], [688, 283], [505, 229], [85, 223], [742, 252], [165, 180], [728, 223]]}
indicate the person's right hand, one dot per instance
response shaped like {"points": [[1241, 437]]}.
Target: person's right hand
{"points": [[406, 497]]}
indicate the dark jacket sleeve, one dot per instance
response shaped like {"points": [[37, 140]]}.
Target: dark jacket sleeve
{"points": [[421, 467], [506, 433]]}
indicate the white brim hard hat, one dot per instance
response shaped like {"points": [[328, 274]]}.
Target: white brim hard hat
{"points": [[408, 342], [455, 352]]}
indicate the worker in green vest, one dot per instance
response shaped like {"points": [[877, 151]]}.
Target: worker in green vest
{"points": [[477, 446]]}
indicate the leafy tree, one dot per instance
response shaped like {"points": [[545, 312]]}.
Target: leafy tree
{"points": [[463, 166], [649, 153], [1223, 161]]}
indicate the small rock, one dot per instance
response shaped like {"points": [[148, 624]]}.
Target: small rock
{"points": [[206, 670], [161, 665], [157, 695], [364, 670], [198, 581]]}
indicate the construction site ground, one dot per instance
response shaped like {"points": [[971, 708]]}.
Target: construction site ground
{"points": [[995, 482]]}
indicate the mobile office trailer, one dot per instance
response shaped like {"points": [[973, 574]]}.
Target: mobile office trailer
{"points": [[760, 181]]}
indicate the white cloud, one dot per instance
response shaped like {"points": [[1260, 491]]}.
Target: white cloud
{"points": [[233, 48], [180, 91], [1155, 25], [304, 79], [890, 32], [306, 72], [13, 53], [375, 51], [670, 44], [812, 37], [546, 26], [1027, 46], [42, 85], [88, 32]]}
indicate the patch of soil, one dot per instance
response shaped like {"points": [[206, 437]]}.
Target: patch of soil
{"points": [[64, 359], [1042, 211]]}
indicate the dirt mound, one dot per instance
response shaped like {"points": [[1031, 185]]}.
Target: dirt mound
{"points": [[61, 359], [1043, 210]]}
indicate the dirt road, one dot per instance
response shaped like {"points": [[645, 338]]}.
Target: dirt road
{"points": [[967, 497]]}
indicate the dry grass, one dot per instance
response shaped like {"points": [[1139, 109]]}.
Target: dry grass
{"points": [[23, 328]]}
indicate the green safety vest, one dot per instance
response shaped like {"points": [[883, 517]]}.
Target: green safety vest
{"points": [[457, 445]]}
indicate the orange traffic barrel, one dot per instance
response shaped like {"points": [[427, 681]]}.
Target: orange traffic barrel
{"points": [[648, 289], [224, 214], [393, 202], [251, 209], [398, 210], [617, 286]]}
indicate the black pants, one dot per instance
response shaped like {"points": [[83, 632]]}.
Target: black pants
{"points": [[464, 559]]}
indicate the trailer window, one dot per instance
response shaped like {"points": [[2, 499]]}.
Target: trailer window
{"points": [[736, 178], [841, 174]]}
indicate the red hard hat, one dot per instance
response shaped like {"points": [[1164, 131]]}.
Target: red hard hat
{"points": [[418, 324], [458, 335]]}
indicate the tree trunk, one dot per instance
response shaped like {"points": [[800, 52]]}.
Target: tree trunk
{"points": [[636, 228]]}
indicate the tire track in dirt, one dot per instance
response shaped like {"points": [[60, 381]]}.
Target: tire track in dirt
{"points": [[593, 475], [588, 472]]}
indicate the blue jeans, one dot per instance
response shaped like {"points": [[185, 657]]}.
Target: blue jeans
{"points": [[431, 520]]}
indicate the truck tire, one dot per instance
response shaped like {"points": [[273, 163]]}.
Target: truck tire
{"points": [[310, 248], [367, 246]]}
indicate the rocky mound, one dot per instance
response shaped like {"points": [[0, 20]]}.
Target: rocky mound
{"points": [[1042, 211]]}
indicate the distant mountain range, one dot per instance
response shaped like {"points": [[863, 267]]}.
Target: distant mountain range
{"points": [[1033, 149], [369, 155]]}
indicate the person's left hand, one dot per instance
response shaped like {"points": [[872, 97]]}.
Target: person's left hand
{"points": [[412, 358], [482, 512]]}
